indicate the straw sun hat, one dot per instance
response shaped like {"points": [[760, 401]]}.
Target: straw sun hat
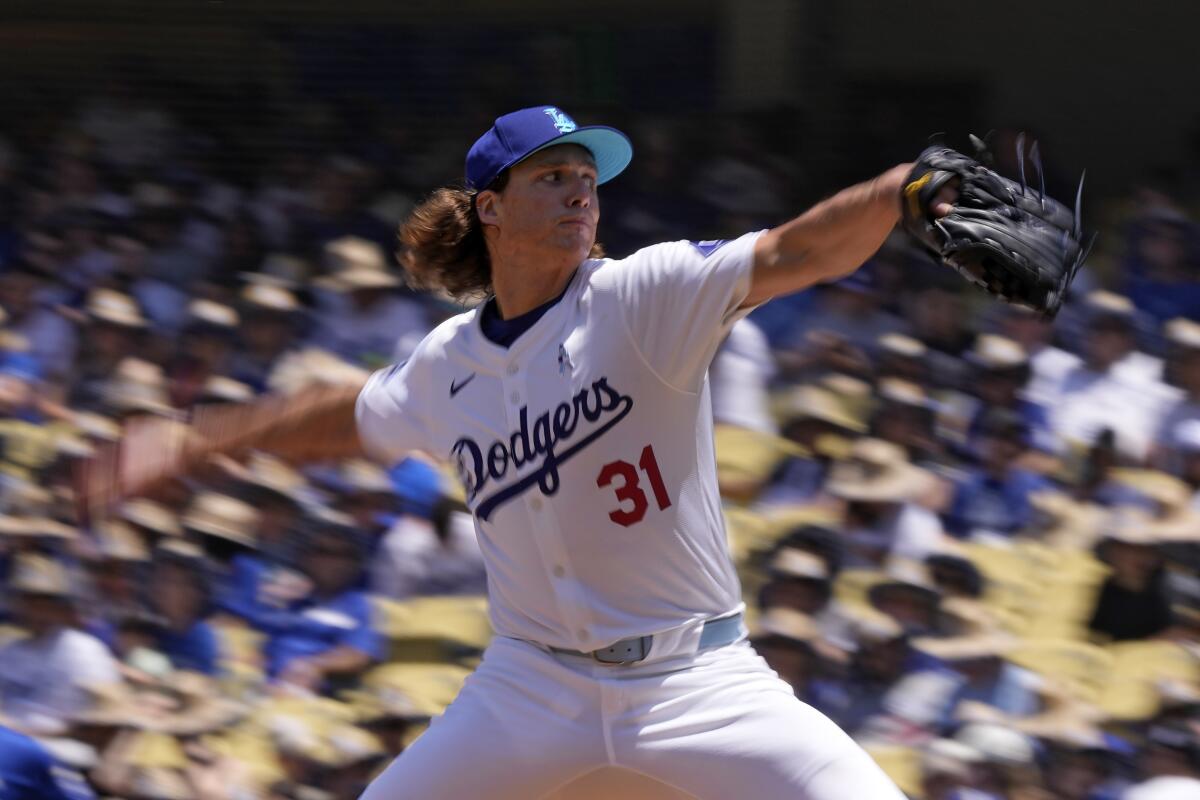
{"points": [[357, 264], [222, 516], [877, 471]]}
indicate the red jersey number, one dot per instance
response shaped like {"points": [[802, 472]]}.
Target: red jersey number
{"points": [[629, 492]]}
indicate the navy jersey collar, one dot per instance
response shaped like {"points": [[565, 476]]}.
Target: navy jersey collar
{"points": [[504, 332]]}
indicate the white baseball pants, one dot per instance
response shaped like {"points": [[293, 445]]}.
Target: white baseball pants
{"points": [[717, 725]]}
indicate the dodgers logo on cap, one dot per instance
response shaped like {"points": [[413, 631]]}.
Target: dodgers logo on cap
{"points": [[516, 136], [561, 121]]}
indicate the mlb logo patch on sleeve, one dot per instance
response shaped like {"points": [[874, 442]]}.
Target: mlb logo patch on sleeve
{"points": [[709, 246]]}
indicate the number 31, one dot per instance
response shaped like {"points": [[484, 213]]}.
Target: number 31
{"points": [[629, 489]]}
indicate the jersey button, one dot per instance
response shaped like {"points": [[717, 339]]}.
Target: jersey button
{"points": [[559, 571], [536, 504]]}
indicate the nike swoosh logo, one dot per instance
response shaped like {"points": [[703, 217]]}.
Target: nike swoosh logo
{"points": [[455, 388]]}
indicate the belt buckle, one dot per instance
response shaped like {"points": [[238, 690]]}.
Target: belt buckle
{"points": [[623, 650]]}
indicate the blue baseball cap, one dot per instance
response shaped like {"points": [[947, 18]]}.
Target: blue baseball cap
{"points": [[516, 136], [418, 484]]}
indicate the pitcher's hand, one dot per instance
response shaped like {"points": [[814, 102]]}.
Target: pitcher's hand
{"points": [[151, 450]]}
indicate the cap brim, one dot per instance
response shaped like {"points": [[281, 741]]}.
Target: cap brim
{"points": [[611, 149]]}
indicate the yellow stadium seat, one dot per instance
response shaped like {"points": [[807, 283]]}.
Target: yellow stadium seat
{"points": [[438, 628], [431, 687], [250, 746], [1046, 593], [743, 531], [901, 764], [1081, 668], [238, 642], [746, 458], [1131, 691], [752, 534], [156, 750]]}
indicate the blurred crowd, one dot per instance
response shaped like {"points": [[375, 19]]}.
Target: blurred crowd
{"points": [[969, 535]]}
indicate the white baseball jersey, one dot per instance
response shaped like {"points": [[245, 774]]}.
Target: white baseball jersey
{"points": [[586, 448]]}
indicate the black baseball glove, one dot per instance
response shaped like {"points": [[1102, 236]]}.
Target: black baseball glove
{"points": [[1013, 241]]}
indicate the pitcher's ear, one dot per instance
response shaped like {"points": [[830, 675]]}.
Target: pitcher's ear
{"points": [[485, 207]]}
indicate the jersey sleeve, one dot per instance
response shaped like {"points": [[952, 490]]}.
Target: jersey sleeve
{"points": [[680, 299], [393, 411]]}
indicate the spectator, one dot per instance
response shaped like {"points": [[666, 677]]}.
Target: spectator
{"points": [[784, 641], [1078, 766], [171, 266], [366, 493], [1183, 370], [364, 316], [136, 387], [225, 528], [1002, 371], [823, 542], [882, 515], [974, 660], [431, 548], [1160, 267], [86, 260], [847, 313], [279, 495], [947, 770], [955, 575], [114, 327], [906, 415], [178, 589], [328, 634], [117, 572], [1185, 457], [1133, 601], [1116, 388], [907, 594], [800, 584], [51, 338], [162, 302], [152, 521], [1048, 364], [1097, 482], [814, 418], [903, 357], [205, 349], [43, 678], [1008, 768], [939, 317], [992, 499], [270, 325], [880, 660]]}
